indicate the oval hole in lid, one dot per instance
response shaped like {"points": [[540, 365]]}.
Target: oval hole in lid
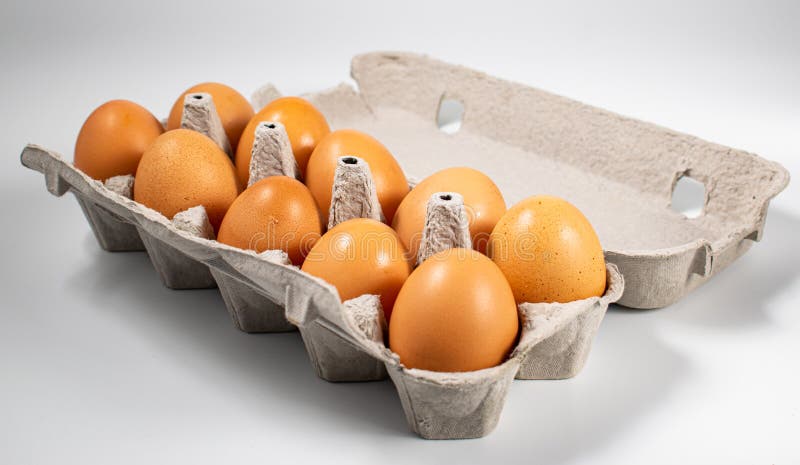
{"points": [[450, 115], [688, 197]]}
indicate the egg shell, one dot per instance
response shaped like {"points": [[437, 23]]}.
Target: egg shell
{"points": [[113, 138], [548, 251], [184, 169], [233, 109], [275, 213], [455, 313], [391, 184], [361, 256], [483, 203], [304, 124]]}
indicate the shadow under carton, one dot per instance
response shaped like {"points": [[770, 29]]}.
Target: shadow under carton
{"points": [[345, 342], [619, 171]]}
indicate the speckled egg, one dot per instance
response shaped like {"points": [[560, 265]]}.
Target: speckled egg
{"points": [[548, 251], [361, 256], [184, 169], [276, 213]]}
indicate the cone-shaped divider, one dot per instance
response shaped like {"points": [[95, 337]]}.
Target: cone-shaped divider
{"points": [[200, 114], [272, 153], [353, 194], [446, 225], [177, 269]]}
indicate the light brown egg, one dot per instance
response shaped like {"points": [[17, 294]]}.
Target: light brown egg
{"points": [[276, 213], [483, 203], [391, 184], [548, 251], [184, 169], [113, 138], [304, 124], [456, 312], [233, 109], [361, 256]]}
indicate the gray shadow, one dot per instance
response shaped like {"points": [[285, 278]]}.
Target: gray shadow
{"points": [[617, 388], [126, 285], [606, 398], [740, 295]]}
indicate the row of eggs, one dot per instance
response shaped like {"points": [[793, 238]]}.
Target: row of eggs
{"points": [[456, 311]]}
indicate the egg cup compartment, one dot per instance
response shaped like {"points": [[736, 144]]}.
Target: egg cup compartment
{"points": [[335, 358], [554, 343], [176, 269], [251, 311], [112, 232], [564, 353], [453, 405], [619, 171]]}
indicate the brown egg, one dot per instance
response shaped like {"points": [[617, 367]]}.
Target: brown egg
{"points": [[233, 109], [361, 256], [113, 138], [276, 213], [390, 182], [483, 203], [456, 312], [304, 124], [184, 169], [548, 251]]}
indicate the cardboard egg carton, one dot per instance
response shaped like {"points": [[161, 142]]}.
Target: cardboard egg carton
{"points": [[345, 342], [620, 172]]}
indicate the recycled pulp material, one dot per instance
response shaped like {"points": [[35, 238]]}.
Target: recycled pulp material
{"points": [[251, 310], [272, 153], [437, 405], [353, 194], [200, 114], [620, 172], [562, 355], [446, 225], [181, 258], [195, 222], [122, 185], [555, 340]]}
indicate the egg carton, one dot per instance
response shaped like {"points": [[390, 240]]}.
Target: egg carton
{"points": [[181, 258], [620, 172], [346, 341]]}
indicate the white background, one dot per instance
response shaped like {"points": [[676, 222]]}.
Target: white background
{"points": [[101, 364]]}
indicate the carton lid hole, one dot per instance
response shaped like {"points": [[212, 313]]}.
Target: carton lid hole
{"points": [[688, 197], [450, 115]]}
